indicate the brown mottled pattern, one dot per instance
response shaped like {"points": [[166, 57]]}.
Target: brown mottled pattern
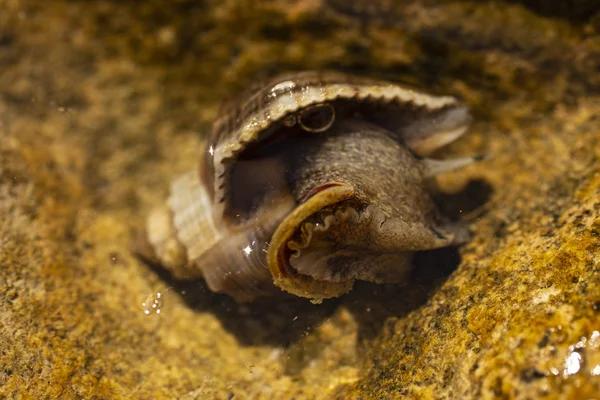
{"points": [[236, 111]]}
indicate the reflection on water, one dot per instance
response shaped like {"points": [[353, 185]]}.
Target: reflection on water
{"points": [[583, 358]]}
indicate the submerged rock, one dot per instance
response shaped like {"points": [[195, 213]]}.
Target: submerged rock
{"points": [[103, 103]]}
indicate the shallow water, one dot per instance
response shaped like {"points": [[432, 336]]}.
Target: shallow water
{"points": [[103, 103]]}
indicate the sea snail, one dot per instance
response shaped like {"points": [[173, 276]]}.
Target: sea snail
{"points": [[308, 183]]}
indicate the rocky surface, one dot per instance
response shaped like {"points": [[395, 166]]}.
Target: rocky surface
{"points": [[103, 102]]}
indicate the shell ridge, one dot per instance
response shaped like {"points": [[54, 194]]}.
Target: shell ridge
{"points": [[192, 215]]}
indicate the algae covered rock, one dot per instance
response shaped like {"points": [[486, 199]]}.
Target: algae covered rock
{"points": [[103, 103]]}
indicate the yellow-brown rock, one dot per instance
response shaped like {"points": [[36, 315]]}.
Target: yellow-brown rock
{"points": [[103, 102]]}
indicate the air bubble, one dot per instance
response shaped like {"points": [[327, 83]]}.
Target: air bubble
{"points": [[153, 303]]}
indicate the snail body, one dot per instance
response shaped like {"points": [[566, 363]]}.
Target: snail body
{"points": [[308, 183]]}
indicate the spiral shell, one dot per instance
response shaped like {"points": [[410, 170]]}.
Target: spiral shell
{"points": [[310, 182]]}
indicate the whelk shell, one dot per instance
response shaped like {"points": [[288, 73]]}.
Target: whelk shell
{"points": [[308, 183]]}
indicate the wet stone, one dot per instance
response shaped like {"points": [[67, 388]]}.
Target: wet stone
{"points": [[102, 104]]}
